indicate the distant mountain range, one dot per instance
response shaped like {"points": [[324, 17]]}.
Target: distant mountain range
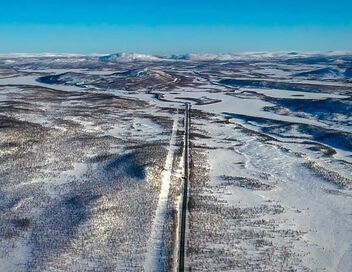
{"points": [[126, 57], [219, 57]]}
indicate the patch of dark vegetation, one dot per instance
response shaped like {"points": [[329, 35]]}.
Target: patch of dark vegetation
{"points": [[245, 182], [195, 135], [168, 110], [100, 158], [226, 120], [160, 97], [331, 176], [199, 115], [203, 146], [252, 132], [81, 200], [337, 192], [200, 101], [163, 121], [22, 223], [191, 203], [12, 123], [8, 145], [67, 124], [290, 86], [13, 227], [259, 120], [136, 145], [18, 107], [128, 164]]}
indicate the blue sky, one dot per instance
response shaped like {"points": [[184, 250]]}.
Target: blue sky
{"points": [[163, 27]]}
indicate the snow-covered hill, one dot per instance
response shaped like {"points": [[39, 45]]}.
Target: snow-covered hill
{"points": [[129, 57], [220, 56]]}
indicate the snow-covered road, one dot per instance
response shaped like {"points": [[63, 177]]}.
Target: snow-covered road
{"points": [[156, 256]]}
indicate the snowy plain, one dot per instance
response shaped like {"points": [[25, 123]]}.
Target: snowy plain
{"points": [[91, 152]]}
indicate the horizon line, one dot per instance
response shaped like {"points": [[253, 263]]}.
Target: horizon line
{"points": [[98, 54]]}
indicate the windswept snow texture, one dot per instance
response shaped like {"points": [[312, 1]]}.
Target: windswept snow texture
{"points": [[91, 161]]}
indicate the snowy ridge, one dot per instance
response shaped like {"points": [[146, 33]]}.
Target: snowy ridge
{"points": [[220, 56], [129, 57], [255, 55]]}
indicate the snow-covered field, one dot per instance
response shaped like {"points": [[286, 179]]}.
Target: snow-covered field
{"points": [[91, 162]]}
